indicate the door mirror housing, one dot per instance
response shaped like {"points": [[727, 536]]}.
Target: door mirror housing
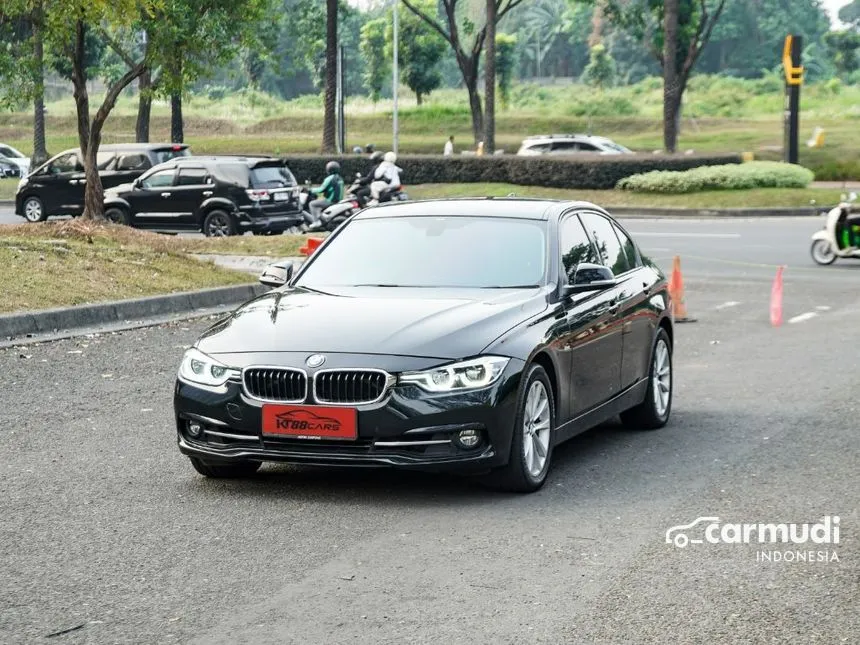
{"points": [[277, 275], [590, 277]]}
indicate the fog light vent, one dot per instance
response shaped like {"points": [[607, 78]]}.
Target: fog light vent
{"points": [[468, 439], [195, 428]]}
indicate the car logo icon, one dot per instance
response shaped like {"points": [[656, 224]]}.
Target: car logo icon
{"points": [[315, 360]]}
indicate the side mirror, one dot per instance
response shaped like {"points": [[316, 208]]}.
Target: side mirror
{"points": [[590, 277], [277, 275]]}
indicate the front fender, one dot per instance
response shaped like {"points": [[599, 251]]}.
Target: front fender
{"points": [[117, 202], [821, 235]]}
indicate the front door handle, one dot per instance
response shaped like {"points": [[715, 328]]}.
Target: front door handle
{"points": [[207, 193], [165, 194], [614, 307]]}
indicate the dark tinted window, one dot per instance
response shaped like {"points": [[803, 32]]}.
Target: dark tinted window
{"points": [[587, 147], [166, 154], [135, 161], [628, 246], [159, 179], [540, 147], [272, 177], [465, 252], [608, 246], [575, 246], [191, 177], [234, 173], [66, 163], [6, 151], [562, 147]]}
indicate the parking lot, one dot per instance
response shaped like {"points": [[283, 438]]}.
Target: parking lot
{"points": [[108, 532]]}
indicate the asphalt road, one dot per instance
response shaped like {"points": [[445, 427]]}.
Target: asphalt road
{"points": [[108, 530]]}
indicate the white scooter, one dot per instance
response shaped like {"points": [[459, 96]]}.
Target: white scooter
{"points": [[840, 237]]}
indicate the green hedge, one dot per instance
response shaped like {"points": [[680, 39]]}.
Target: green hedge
{"points": [[553, 172], [755, 174]]}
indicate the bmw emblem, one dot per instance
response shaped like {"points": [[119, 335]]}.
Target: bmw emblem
{"points": [[315, 360]]}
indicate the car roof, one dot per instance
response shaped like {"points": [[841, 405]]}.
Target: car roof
{"points": [[251, 160], [500, 207]]}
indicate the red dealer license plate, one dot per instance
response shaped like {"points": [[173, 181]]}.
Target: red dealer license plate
{"points": [[310, 422]]}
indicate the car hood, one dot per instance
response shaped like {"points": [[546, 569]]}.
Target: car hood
{"points": [[118, 190], [445, 324]]}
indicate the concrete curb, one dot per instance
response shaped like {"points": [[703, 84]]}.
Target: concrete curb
{"points": [[51, 321], [679, 213]]}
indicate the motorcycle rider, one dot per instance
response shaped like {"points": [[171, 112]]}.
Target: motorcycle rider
{"points": [[387, 175], [330, 192], [363, 192]]}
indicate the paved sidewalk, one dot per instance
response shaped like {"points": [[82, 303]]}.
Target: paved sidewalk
{"points": [[253, 264]]}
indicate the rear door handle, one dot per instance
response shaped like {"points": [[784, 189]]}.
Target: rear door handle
{"points": [[207, 193], [165, 194]]}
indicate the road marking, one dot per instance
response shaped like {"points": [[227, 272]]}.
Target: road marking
{"points": [[726, 305], [802, 317], [823, 308], [728, 236]]}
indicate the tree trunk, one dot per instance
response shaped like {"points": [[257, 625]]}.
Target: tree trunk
{"points": [[329, 144], [475, 107], [144, 107], [40, 151], [177, 134], [419, 98], [671, 86], [490, 80]]}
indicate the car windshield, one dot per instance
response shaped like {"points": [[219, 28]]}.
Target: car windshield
{"points": [[6, 151], [170, 153], [272, 177], [462, 252], [614, 146]]}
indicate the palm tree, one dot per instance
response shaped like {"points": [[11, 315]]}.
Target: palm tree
{"points": [[329, 127]]}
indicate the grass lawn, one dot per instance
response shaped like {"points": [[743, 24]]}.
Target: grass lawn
{"points": [[757, 198], [73, 262]]}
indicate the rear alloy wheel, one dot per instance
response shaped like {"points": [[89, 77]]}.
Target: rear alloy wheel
{"points": [[33, 210], [228, 470], [219, 223], [118, 216], [531, 444], [822, 252], [653, 412]]}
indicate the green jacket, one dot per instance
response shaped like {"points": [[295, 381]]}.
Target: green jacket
{"points": [[332, 188]]}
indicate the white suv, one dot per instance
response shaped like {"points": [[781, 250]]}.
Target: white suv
{"points": [[568, 144]]}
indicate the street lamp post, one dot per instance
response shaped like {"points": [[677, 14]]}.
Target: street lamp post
{"points": [[396, 77]]}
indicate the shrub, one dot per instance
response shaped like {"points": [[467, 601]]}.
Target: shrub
{"points": [[756, 174], [553, 172]]}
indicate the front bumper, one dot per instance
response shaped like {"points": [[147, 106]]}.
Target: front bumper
{"points": [[408, 428]]}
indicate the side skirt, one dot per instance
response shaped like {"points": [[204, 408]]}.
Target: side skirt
{"points": [[631, 397]]}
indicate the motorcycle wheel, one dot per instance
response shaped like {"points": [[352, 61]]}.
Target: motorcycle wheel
{"points": [[335, 223], [822, 252]]}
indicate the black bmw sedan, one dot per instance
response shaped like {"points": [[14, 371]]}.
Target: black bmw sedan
{"points": [[473, 335]]}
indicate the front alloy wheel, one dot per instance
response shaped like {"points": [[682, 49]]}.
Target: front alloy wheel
{"points": [[33, 210]]}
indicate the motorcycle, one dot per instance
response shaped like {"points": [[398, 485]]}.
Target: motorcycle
{"points": [[304, 204], [354, 200], [840, 237]]}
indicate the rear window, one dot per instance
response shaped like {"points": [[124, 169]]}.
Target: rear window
{"points": [[234, 173], [166, 154], [272, 177]]}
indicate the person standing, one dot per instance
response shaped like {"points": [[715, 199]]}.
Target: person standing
{"points": [[449, 146]]}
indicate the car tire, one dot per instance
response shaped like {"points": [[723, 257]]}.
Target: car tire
{"points": [[219, 223], [34, 210], [654, 411], [230, 470], [118, 215], [522, 473]]}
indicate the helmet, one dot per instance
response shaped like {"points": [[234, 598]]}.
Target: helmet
{"points": [[376, 156], [370, 147], [356, 150], [390, 157], [332, 167]]}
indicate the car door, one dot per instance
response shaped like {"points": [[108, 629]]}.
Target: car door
{"points": [[153, 204], [193, 186], [630, 292], [59, 186], [592, 338]]}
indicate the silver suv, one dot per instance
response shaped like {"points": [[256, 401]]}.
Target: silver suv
{"points": [[568, 144]]}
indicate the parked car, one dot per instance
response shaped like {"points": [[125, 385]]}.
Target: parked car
{"points": [[568, 144], [57, 186], [484, 333], [9, 168], [223, 195], [16, 157]]}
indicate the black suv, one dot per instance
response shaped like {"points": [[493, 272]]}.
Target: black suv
{"points": [[219, 196], [57, 186]]}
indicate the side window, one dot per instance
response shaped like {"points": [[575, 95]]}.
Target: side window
{"points": [[564, 147], [67, 163], [575, 246], [587, 147], [628, 246], [191, 177], [160, 179], [104, 159], [133, 162], [608, 246]]}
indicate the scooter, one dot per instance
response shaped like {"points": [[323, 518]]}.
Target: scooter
{"points": [[336, 214], [840, 237]]}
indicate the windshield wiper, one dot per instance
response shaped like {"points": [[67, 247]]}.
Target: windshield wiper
{"points": [[513, 286]]}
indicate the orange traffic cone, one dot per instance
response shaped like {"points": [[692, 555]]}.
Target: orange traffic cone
{"points": [[776, 299], [310, 246], [676, 292]]}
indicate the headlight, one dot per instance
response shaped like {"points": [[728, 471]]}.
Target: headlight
{"points": [[466, 375], [197, 367]]}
